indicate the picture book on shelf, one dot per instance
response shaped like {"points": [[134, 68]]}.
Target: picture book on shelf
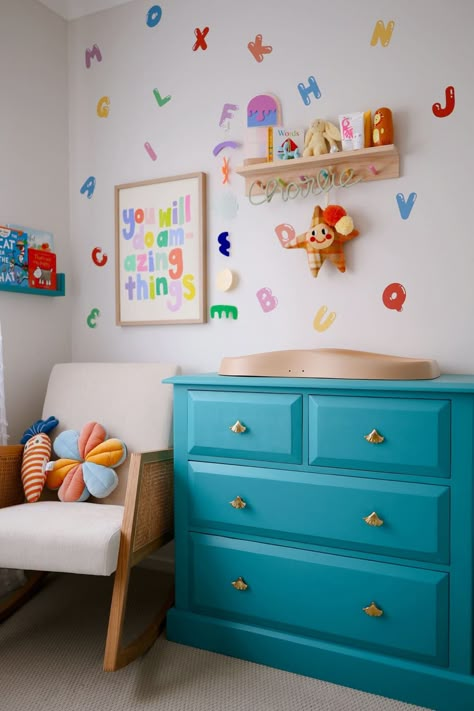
{"points": [[284, 143], [13, 257], [41, 269], [37, 239]]}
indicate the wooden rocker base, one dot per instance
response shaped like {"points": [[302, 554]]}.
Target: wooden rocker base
{"points": [[116, 656], [145, 470], [18, 597]]}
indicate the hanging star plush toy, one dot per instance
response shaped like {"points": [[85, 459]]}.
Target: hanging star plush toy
{"points": [[329, 229]]}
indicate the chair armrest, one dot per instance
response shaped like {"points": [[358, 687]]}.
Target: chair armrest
{"points": [[11, 489], [148, 513]]}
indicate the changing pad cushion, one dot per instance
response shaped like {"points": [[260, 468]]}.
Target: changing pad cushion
{"points": [[69, 538]]}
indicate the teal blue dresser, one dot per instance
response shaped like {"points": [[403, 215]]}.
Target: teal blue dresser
{"points": [[325, 527]]}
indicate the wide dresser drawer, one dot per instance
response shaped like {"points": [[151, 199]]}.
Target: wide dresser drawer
{"points": [[392, 518], [346, 432], [261, 426], [388, 608]]}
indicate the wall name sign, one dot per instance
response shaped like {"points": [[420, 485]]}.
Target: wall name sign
{"points": [[260, 193]]}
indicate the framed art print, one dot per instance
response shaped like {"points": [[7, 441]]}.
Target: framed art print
{"points": [[160, 251]]}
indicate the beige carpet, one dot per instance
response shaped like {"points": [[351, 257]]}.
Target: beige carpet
{"points": [[51, 653]]}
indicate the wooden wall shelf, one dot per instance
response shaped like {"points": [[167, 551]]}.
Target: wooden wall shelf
{"points": [[59, 291], [378, 163]]}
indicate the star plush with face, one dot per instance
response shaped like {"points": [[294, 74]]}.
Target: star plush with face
{"points": [[329, 229]]}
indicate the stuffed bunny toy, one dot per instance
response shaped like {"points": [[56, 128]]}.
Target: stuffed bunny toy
{"points": [[321, 137]]}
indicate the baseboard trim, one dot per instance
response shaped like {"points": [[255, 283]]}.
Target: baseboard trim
{"points": [[411, 682]]}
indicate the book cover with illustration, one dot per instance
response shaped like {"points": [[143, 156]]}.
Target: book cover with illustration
{"points": [[37, 239], [13, 257], [285, 143], [41, 269]]}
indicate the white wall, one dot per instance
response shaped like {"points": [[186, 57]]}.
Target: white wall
{"points": [[33, 191], [431, 253]]}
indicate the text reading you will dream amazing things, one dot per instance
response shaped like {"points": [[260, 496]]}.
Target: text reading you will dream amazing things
{"points": [[145, 261]]}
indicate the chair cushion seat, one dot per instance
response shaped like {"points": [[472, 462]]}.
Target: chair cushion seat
{"points": [[58, 537]]}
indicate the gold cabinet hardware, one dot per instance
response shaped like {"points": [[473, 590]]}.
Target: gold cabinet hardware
{"points": [[372, 610], [374, 437], [239, 584], [238, 503], [238, 427], [373, 520]]}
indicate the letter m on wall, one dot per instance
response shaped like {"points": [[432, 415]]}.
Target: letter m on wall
{"points": [[93, 53]]}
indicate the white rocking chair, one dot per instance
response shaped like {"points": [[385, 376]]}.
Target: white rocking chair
{"points": [[102, 536]]}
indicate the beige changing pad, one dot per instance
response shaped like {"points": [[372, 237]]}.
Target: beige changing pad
{"points": [[330, 363]]}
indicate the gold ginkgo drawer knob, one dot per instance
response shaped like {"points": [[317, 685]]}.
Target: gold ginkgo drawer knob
{"points": [[238, 503], [239, 584], [372, 610], [373, 520], [238, 427], [374, 437]]}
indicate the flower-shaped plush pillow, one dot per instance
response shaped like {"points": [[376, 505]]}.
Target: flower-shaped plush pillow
{"points": [[85, 463]]}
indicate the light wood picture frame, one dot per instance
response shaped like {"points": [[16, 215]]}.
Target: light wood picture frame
{"points": [[160, 235]]}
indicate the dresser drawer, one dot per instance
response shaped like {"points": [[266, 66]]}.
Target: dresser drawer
{"points": [[272, 422], [413, 519], [416, 434], [325, 595]]}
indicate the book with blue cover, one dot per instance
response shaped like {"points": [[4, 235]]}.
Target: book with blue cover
{"points": [[37, 239], [13, 257]]}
